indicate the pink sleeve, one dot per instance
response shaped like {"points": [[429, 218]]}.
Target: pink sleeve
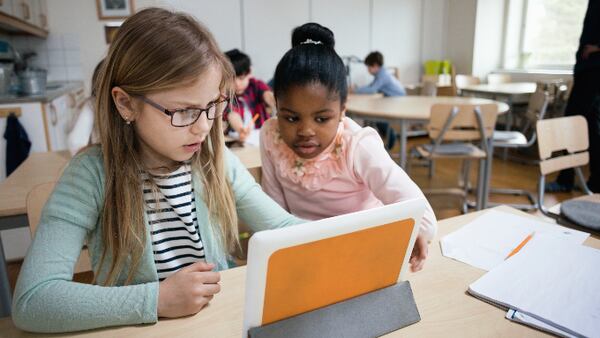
{"points": [[269, 181], [386, 179]]}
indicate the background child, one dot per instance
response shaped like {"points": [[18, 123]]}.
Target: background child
{"points": [[253, 98], [383, 83], [316, 163], [158, 201]]}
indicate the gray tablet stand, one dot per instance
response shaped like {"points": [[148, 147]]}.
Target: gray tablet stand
{"points": [[370, 315]]}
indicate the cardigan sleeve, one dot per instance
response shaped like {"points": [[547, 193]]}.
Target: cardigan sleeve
{"points": [[387, 180], [46, 299]]}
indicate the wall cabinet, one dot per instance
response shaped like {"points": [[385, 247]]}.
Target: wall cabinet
{"points": [[24, 16]]}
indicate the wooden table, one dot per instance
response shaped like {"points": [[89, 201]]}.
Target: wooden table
{"points": [[513, 92], [407, 109], [46, 167], [440, 293]]}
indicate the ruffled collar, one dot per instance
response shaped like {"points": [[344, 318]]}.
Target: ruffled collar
{"points": [[312, 173]]}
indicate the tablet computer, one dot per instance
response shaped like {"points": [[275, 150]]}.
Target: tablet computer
{"points": [[305, 267]]}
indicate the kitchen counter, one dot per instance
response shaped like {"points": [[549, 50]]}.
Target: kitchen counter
{"points": [[54, 90]]}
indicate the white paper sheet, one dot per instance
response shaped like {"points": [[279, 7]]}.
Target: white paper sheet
{"points": [[489, 239], [552, 281]]}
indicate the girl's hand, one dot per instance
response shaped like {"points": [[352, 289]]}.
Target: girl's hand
{"points": [[244, 132], [419, 254], [188, 290]]}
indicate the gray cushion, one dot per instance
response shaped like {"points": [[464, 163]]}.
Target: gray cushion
{"points": [[584, 213]]}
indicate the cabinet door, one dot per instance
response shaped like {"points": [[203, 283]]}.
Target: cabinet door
{"points": [[32, 121], [42, 14], [6, 7], [55, 111], [23, 10]]}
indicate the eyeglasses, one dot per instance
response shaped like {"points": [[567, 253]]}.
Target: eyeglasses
{"points": [[187, 116]]}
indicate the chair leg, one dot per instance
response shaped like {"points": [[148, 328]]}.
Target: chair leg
{"points": [[431, 168], [481, 177]]}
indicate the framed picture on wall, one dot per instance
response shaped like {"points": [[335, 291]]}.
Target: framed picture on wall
{"points": [[114, 9], [110, 29]]}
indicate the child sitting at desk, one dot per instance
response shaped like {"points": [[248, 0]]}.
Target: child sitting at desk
{"points": [[157, 202], [253, 99], [317, 163], [383, 83]]}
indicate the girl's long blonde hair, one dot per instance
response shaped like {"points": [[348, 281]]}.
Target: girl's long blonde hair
{"points": [[155, 50]]}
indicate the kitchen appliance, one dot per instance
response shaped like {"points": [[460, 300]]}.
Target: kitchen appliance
{"points": [[33, 81]]}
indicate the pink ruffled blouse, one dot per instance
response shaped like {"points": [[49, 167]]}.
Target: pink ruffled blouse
{"points": [[353, 173]]}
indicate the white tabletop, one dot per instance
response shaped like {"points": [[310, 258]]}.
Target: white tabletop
{"points": [[510, 88], [409, 107]]}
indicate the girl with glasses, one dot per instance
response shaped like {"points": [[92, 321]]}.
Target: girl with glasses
{"points": [[157, 201]]}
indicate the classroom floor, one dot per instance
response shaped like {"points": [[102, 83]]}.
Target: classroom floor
{"points": [[506, 174]]}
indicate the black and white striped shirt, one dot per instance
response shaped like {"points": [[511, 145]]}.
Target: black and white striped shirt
{"points": [[176, 238]]}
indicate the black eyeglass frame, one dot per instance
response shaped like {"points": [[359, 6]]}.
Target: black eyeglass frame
{"points": [[171, 113]]}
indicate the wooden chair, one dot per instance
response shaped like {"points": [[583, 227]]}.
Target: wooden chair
{"points": [[429, 88], [570, 135], [36, 199], [453, 129], [498, 78], [462, 80], [536, 110]]}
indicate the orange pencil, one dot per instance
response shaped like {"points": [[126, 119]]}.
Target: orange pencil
{"points": [[254, 118], [520, 246]]}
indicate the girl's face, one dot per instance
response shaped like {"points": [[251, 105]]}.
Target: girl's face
{"points": [[163, 145], [308, 118]]}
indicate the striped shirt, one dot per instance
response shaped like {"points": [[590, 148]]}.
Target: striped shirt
{"points": [[171, 213]]}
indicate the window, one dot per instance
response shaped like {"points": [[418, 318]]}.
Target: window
{"points": [[548, 36]]}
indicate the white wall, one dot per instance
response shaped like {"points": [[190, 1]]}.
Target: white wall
{"points": [[460, 33], [489, 29], [406, 31]]}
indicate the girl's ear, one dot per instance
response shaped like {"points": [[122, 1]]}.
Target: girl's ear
{"points": [[124, 104]]}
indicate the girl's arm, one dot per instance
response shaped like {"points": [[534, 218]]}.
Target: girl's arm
{"points": [[46, 299], [372, 88], [386, 179], [254, 207]]}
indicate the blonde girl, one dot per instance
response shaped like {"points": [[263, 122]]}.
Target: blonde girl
{"points": [[157, 201]]}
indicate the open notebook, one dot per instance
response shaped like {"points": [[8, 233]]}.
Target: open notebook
{"points": [[552, 281]]}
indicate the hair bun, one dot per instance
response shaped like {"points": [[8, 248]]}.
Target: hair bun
{"points": [[312, 33]]}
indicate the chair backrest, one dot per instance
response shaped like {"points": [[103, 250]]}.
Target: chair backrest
{"points": [[429, 88], [498, 78], [395, 71], [462, 122], [537, 107], [36, 200], [462, 80], [568, 134]]}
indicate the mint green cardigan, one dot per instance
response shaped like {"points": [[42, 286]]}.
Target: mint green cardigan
{"points": [[47, 300]]}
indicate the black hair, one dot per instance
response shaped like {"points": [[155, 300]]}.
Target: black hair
{"points": [[374, 58], [312, 59], [240, 62]]}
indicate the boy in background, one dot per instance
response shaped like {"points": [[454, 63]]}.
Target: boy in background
{"points": [[383, 83]]}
